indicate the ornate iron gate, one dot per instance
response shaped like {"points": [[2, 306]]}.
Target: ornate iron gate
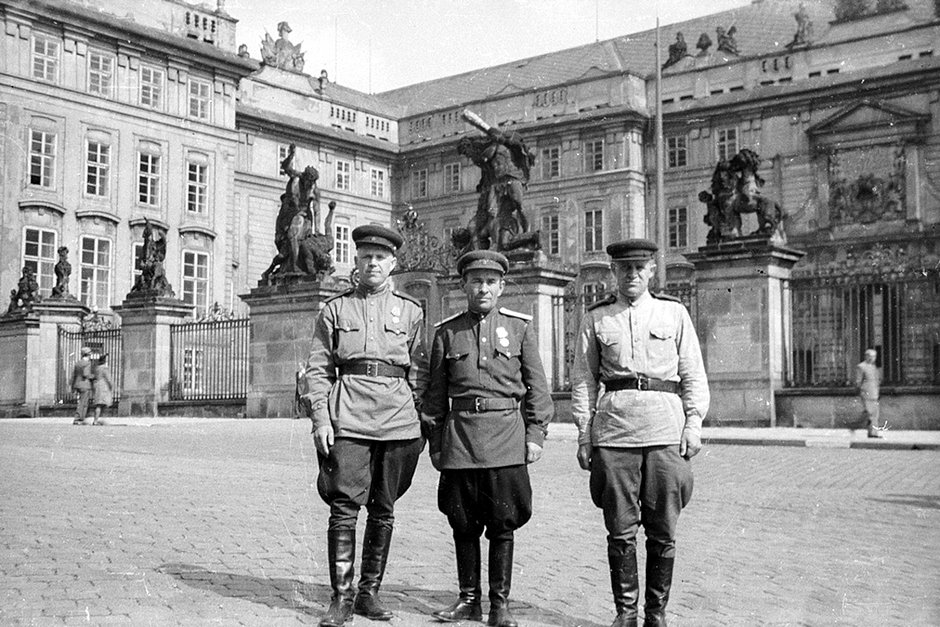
{"points": [[101, 342]]}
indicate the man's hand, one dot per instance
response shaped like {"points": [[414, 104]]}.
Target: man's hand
{"points": [[690, 444], [584, 456], [533, 452], [323, 439]]}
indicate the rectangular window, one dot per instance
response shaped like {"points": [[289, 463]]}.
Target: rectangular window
{"points": [[151, 87], [193, 368], [592, 292], [726, 141], [41, 158], [343, 169], [419, 184], [551, 162], [551, 236], [593, 230], [100, 74], [95, 288], [148, 179], [196, 280], [678, 227], [677, 153], [200, 99], [282, 151], [377, 184], [594, 155], [138, 257], [45, 58], [97, 169], [39, 246], [341, 246], [196, 187], [452, 177]]}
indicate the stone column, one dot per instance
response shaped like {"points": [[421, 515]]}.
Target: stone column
{"points": [[282, 320], [743, 321], [145, 331], [29, 343]]}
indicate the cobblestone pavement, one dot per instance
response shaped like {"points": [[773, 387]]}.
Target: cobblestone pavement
{"points": [[206, 522]]}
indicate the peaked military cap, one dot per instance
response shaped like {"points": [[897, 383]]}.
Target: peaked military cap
{"points": [[377, 235], [639, 249], [482, 260]]}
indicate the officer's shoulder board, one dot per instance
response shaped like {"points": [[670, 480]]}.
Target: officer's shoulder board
{"points": [[610, 299], [405, 296], [448, 319], [515, 314], [339, 295], [664, 296]]}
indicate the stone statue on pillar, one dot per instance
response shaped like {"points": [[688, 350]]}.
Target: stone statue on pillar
{"points": [[303, 251], [735, 191], [25, 295], [63, 270], [152, 281], [505, 163]]}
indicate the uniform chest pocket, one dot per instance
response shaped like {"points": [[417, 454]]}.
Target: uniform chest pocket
{"points": [[395, 328], [662, 344], [349, 337], [508, 350]]}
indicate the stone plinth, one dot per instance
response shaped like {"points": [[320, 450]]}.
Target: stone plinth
{"points": [[29, 344], [530, 289], [743, 311], [145, 330], [282, 321]]}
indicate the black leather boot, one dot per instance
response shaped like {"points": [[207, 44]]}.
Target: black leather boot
{"points": [[375, 545], [500, 583], [624, 581], [467, 606], [341, 550], [658, 584]]}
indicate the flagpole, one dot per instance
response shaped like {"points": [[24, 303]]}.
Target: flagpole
{"points": [[660, 168]]}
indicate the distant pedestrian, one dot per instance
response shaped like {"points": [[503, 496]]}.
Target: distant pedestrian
{"points": [[639, 395], [489, 407], [82, 378], [104, 389], [868, 382]]}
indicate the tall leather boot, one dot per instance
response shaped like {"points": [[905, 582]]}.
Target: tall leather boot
{"points": [[375, 545], [500, 582], [624, 581], [467, 606], [341, 551], [658, 584]]}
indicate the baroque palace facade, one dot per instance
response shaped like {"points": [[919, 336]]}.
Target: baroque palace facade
{"points": [[112, 120]]}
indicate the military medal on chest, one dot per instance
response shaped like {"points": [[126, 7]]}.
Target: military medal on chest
{"points": [[503, 336], [396, 312]]}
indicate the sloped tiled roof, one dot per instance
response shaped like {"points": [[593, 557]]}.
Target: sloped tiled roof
{"points": [[763, 27]]}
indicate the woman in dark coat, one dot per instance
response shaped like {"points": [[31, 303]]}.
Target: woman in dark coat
{"points": [[104, 390]]}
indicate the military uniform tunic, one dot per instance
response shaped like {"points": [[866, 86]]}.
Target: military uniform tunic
{"points": [[486, 356], [384, 326]]}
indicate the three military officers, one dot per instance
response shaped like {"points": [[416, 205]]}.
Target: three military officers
{"points": [[483, 404]]}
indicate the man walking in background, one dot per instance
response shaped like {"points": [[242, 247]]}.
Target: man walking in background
{"points": [[81, 384], [868, 382]]}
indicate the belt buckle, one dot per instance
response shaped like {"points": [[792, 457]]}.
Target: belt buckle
{"points": [[478, 404], [642, 383], [372, 369]]}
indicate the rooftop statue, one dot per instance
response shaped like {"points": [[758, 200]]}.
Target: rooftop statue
{"points": [[302, 250], [726, 40], [281, 53], [505, 163], [677, 50], [152, 279], [26, 293], [804, 27], [63, 270], [703, 44], [735, 191]]}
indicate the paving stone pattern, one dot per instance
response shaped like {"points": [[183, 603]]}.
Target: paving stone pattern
{"points": [[219, 523]]}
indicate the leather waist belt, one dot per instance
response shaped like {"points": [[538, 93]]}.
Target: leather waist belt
{"points": [[373, 369], [483, 404], [641, 383]]}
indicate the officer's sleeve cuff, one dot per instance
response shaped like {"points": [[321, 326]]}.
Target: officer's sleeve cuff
{"points": [[320, 417], [535, 434]]}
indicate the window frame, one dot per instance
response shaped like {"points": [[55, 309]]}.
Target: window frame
{"points": [[551, 165], [551, 226], [452, 177], [593, 295], [100, 170], [721, 142], [343, 179], [197, 192], [203, 104], [105, 90], [96, 270], [377, 183], [595, 231], [43, 266], [677, 227], [342, 246], [155, 90], [189, 285], [674, 152], [592, 154], [44, 160], [153, 178], [50, 62], [419, 183]]}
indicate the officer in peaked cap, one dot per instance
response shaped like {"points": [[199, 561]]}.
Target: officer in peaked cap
{"points": [[487, 407], [378, 236], [639, 395], [366, 368]]}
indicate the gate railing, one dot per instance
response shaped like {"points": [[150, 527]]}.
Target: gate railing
{"points": [[834, 319], [101, 342], [209, 360]]}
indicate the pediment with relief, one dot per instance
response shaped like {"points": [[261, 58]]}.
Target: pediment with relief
{"points": [[866, 121]]}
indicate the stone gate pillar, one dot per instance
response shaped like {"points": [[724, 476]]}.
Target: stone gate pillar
{"points": [[282, 318], [743, 321]]}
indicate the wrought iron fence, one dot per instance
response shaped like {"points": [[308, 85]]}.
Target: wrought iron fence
{"points": [[101, 342], [209, 360], [836, 318]]}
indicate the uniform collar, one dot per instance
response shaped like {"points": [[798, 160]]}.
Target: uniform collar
{"points": [[643, 299], [476, 317], [362, 290]]}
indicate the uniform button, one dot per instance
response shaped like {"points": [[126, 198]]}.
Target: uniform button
{"points": [[483, 339], [484, 358], [371, 319]]}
